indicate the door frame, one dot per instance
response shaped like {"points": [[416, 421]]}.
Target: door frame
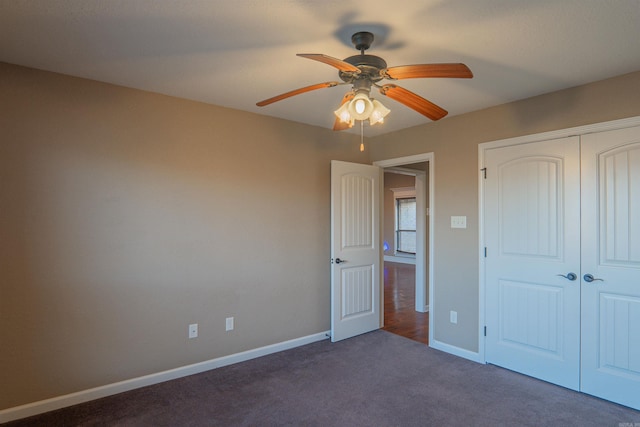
{"points": [[424, 281], [526, 139]]}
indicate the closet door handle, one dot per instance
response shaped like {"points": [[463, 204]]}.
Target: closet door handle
{"points": [[589, 278], [569, 276]]}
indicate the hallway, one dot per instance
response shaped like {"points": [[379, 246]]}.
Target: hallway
{"points": [[400, 316]]}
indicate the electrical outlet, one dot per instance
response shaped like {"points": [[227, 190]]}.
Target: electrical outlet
{"points": [[229, 325], [453, 317], [193, 330]]}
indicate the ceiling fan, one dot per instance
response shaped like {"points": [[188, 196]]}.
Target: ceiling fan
{"points": [[364, 71]]}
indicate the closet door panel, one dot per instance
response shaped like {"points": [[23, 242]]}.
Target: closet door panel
{"points": [[610, 164], [532, 210]]}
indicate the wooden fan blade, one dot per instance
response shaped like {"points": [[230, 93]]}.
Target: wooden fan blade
{"points": [[339, 124], [417, 71], [334, 62], [416, 102], [296, 92]]}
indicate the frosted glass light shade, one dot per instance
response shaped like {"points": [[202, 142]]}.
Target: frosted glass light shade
{"points": [[360, 106], [379, 112], [343, 114]]}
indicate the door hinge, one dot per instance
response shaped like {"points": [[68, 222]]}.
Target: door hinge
{"points": [[484, 172], [485, 331]]}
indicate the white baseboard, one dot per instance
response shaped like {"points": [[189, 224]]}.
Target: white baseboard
{"points": [[400, 259], [456, 351], [59, 402]]}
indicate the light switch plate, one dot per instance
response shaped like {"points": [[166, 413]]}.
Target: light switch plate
{"points": [[458, 222]]}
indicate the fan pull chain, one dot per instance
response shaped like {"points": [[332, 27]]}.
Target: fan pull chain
{"points": [[361, 135]]}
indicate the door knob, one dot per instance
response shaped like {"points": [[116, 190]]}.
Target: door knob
{"points": [[340, 261], [569, 276], [589, 278]]}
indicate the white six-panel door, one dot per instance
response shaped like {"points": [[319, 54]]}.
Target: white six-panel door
{"points": [[532, 235], [355, 249], [611, 254]]}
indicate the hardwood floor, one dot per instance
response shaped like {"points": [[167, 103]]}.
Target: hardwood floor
{"points": [[400, 316]]}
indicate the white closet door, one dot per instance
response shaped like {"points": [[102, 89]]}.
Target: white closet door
{"points": [[532, 234], [611, 254]]}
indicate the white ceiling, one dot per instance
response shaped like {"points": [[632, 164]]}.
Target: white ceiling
{"points": [[235, 53]]}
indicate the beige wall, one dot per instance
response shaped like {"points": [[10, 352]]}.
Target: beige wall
{"points": [[392, 180], [127, 215], [454, 142]]}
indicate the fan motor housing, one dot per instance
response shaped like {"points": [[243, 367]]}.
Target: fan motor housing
{"points": [[369, 65]]}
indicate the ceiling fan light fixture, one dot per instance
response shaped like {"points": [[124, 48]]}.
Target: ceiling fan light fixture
{"points": [[364, 71], [360, 107], [379, 112]]}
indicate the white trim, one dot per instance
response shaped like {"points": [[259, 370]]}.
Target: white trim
{"points": [[401, 192], [482, 149], [421, 244], [400, 259], [402, 171], [407, 160], [456, 351], [481, 261], [58, 402], [430, 214], [562, 133]]}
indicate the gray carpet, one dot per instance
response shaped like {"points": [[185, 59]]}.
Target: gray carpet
{"points": [[376, 379]]}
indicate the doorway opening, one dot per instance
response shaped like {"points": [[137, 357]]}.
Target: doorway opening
{"points": [[400, 315], [407, 268]]}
